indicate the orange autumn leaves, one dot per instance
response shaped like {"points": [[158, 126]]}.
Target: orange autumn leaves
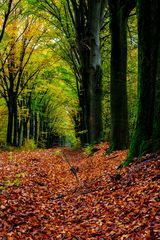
{"points": [[48, 203]]}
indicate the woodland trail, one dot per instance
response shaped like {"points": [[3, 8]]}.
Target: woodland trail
{"points": [[64, 194]]}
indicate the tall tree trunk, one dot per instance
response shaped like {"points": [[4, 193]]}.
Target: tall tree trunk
{"points": [[86, 17], [148, 30], [20, 133], [95, 75], [10, 124], [32, 127], [36, 127], [119, 11], [15, 133], [87, 26], [156, 124], [25, 128]]}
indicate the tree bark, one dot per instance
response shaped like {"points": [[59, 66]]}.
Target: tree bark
{"points": [[148, 30], [95, 75], [88, 18], [119, 12], [10, 124], [15, 133], [156, 123]]}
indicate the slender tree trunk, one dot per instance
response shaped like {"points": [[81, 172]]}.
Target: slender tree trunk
{"points": [[25, 128], [10, 124], [15, 133], [36, 127], [20, 133], [32, 126], [148, 30]]}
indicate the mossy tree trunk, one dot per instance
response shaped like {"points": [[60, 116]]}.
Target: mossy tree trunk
{"points": [[156, 123], [119, 12], [148, 34]]}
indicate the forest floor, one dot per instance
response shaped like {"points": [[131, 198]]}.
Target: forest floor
{"points": [[64, 194]]}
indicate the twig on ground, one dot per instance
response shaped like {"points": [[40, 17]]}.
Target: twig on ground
{"points": [[73, 169]]}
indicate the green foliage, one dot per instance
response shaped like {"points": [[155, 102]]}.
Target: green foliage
{"points": [[10, 156], [51, 94], [57, 153], [11, 182], [42, 142], [88, 149], [29, 144]]}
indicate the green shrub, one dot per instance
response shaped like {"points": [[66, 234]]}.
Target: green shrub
{"points": [[29, 144], [88, 149]]}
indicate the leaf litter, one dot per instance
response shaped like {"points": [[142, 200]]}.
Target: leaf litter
{"points": [[60, 193]]}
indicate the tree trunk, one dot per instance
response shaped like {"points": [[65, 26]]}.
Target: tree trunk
{"points": [[119, 11], [11, 115], [36, 126], [32, 125], [156, 124], [10, 124], [20, 133], [87, 27], [15, 133], [148, 30], [95, 75], [25, 128]]}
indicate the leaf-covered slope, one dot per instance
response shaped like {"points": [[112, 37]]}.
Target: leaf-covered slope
{"points": [[63, 194]]}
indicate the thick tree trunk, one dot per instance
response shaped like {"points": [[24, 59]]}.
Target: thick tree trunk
{"points": [[88, 39], [83, 107], [156, 124], [148, 30], [95, 75], [119, 11]]}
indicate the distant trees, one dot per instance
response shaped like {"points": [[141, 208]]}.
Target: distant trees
{"points": [[50, 110], [15, 62], [25, 64]]}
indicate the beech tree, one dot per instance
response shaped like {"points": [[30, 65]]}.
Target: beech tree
{"points": [[119, 13], [86, 18], [147, 124], [16, 55]]}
